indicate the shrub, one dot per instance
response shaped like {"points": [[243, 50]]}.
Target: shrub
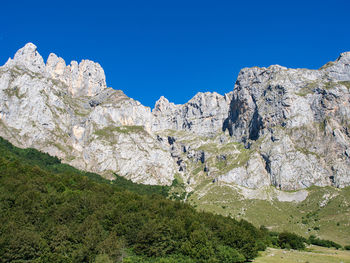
{"points": [[323, 242], [227, 254], [291, 241]]}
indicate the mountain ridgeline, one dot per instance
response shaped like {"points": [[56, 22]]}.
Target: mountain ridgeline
{"points": [[288, 128]]}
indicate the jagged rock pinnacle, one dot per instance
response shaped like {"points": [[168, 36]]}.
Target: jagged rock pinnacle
{"points": [[28, 57]]}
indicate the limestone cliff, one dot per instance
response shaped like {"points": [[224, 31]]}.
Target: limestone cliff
{"points": [[69, 112], [284, 127], [300, 118]]}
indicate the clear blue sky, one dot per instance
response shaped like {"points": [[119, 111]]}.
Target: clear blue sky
{"points": [[178, 48]]}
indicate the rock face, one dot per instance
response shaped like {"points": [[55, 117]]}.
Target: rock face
{"points": [[284, 127], [300, 118], [84, 79], [69, 112], [203, 114]]}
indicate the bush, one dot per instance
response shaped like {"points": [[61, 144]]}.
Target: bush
{"points": [[291, 241], [347, 247], [323, 242]]}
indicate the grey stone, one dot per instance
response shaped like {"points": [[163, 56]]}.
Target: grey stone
{"points": [[294, 124]]}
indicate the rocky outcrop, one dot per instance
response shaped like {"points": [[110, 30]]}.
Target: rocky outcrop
{"points": [[301, 120], [253, 174], [285, 127], [340, 69], [202, 115], [84, 79], [29, 58]]}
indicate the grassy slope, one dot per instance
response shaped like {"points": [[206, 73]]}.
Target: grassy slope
{"points": [[313, 254], [332, 221]]}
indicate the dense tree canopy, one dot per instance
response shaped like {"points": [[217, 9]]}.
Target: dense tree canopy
{"points": [[51, 212]]}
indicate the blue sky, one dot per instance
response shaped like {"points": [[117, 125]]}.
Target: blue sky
{"points": [[178, 48]]}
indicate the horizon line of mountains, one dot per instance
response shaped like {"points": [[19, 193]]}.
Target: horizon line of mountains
{"points": [[289, 128]]}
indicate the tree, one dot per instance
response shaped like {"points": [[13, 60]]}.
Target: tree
{"points": [[291, 241], [227, 254]]}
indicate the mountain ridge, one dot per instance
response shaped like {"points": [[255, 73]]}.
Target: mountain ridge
{"points": [[268, 131]]}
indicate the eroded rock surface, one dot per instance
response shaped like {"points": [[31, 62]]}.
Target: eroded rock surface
{"points": [[202, 115], [69, 112], [300, 118], [284, 127]]}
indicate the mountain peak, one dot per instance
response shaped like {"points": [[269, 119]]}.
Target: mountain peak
{"points": [[84, 79], [29, 57], [340, 69], [162, 104]]}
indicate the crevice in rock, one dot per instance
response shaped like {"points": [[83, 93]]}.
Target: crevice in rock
{"points": [[267, 163], [202, 157], [227, 125], [255, 125], [94, 103], [171, 140], [234, 111]]}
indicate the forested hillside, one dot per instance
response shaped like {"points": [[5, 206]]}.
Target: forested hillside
{"points": [[51, 212]]}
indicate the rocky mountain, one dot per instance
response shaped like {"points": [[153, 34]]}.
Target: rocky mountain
{"points": [[289, 128], [301, 120]]}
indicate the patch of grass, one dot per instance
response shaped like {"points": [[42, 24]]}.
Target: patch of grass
{"points": [[307, 152], [314, 254], [329, 85], [130, 129], [308, 89], [66, 149], [305, 218], [235, 155], [109, 132], [197, 170], [12, 132], [233, 161], [209, 147], [76, 105], [322, 126], [10, 92], [60, 84]]}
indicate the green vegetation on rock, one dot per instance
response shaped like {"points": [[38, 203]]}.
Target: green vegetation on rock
{"points": [[345, 83], [109, 132]]}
